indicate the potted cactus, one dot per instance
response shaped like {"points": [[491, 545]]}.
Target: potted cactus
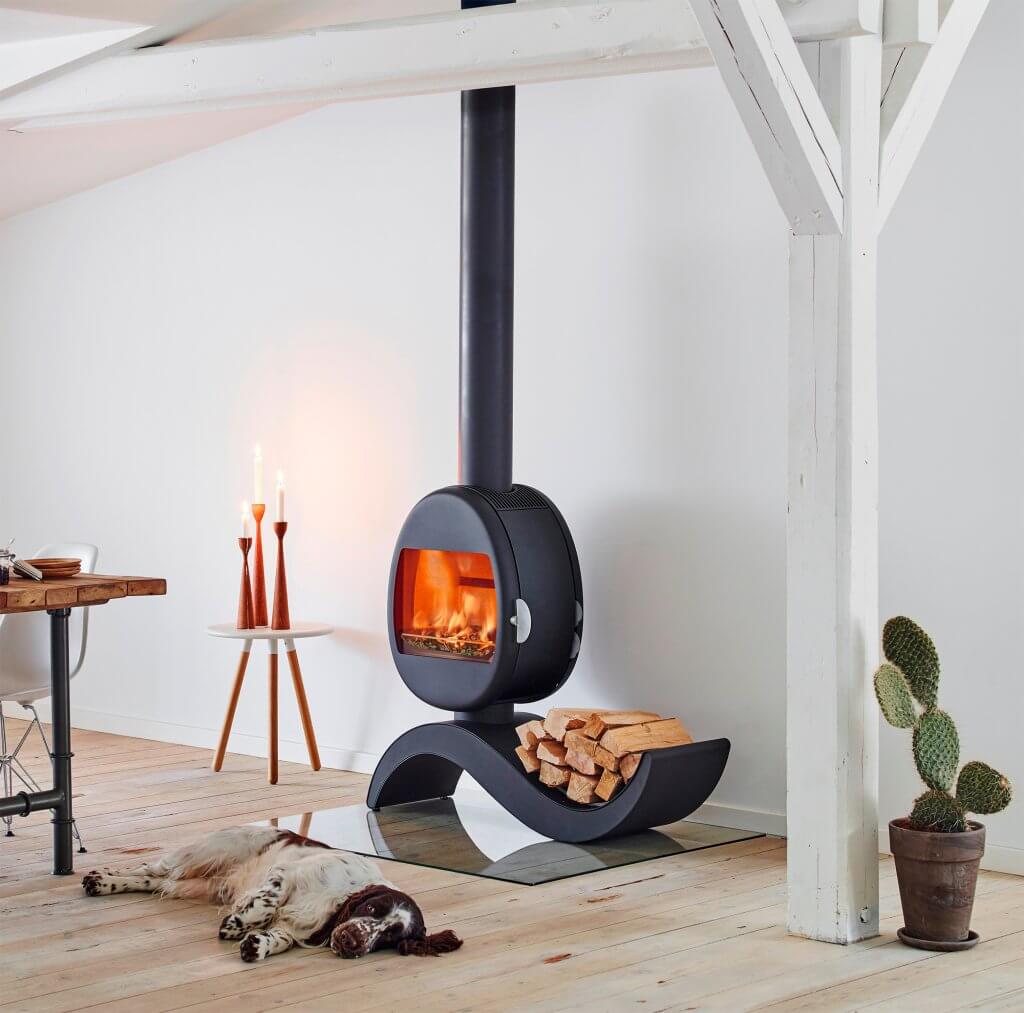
{"points": [[937, 848]]}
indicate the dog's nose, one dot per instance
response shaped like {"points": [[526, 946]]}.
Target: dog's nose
{"points": [[349, 941]]}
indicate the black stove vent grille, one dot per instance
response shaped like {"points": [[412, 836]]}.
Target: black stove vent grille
{"points": [[519, 497]]}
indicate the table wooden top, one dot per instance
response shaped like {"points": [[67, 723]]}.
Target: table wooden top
{"points": [[24, 595]]}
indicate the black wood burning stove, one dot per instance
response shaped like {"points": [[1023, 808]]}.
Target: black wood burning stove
{"points": [[485, 606], [508, 555]]}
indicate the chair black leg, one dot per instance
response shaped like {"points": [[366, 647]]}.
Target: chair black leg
{"points": [[31, 781], [6, 768]]}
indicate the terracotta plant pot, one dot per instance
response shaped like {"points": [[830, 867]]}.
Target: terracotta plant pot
{"points": [[937, 874]]}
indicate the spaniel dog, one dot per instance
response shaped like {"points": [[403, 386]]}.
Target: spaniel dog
{"points": [[285, 890]]}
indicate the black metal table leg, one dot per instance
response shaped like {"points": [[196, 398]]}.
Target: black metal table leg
{"points": [[60, 689], [58, 798]]}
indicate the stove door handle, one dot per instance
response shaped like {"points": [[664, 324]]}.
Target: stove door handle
{"points": [[522, 621]]}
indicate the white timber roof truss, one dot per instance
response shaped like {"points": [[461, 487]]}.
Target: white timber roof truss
{"points": [[837, 97]]}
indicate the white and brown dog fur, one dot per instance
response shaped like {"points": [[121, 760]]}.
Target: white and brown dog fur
{"points": [[284, 890]]}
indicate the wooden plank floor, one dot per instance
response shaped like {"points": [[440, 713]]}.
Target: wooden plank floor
{"points": [[693, 932]]}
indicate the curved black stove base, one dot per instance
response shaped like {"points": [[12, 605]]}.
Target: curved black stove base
{"points": [[427, 762]]}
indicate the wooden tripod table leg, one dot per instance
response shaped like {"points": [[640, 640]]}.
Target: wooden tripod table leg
{"points": [[225, 734], [272, 680], [300, 696]]}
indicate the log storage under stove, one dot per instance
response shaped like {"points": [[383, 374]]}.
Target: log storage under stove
{"points": [[593, 753], [485, 598]]}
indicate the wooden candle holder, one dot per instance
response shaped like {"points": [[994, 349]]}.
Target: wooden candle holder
{"points": [[280, 619], [245, 609], [259, 582]]}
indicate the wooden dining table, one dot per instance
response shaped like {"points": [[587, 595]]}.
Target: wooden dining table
{"points": [[57, 598]]}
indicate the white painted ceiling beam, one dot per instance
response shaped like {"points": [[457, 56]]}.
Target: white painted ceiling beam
{"points": [[818, 20], [914, 96], [780, 107], [543, 40], [910, 22]]}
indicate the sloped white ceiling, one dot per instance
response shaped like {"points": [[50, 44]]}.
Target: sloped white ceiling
{"points": [[20, 25], [37, 35]]}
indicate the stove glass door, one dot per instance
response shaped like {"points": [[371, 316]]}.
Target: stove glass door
{"points": [[445, 604]]}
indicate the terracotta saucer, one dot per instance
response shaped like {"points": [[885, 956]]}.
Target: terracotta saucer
{"points": [[932, 944]]}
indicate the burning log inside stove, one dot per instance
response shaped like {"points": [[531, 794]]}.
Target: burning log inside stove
{"points": [[470, 644], [452, 608], [592, 754], [468, 633]]}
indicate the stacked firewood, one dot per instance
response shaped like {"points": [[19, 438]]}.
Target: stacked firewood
{"points": [[592, 753]]}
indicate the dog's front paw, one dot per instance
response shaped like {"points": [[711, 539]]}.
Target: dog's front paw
{"points": [[231, 928], [94, 885], [254, 947]]}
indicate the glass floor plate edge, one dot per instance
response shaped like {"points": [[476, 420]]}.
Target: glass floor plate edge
{"points": [[478, 839]]}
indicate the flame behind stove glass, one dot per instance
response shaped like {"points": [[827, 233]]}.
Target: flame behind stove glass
{"points": [[445, 604]]}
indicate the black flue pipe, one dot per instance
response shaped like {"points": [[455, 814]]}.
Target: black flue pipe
{"points": [[486, 283]]}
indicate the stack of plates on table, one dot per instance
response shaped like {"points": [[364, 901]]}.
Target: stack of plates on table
{"points": [[56, 569]]}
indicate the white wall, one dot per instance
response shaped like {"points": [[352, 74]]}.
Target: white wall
{"points": [[299, 286], [951, 416]]}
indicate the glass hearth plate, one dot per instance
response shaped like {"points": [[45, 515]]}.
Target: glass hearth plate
{"points": [[483, 840]]}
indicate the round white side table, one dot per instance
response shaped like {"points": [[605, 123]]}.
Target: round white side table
{"points": [[297, 631]]}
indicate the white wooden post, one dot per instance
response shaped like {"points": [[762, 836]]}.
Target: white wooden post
{"points": [[832, 571], [815, 126]]}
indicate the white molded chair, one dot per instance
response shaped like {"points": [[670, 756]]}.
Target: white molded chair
{"points": [[25, 667]]}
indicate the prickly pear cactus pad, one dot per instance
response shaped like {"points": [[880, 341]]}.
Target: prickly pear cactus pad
{"points": [[937, 750], [906, 645], [911, 673], [938, 812], [894, 698], [981, 789]]}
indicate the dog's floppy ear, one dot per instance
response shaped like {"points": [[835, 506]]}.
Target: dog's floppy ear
{"points": [[344, 912], [367, 893], [430, 946]]}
